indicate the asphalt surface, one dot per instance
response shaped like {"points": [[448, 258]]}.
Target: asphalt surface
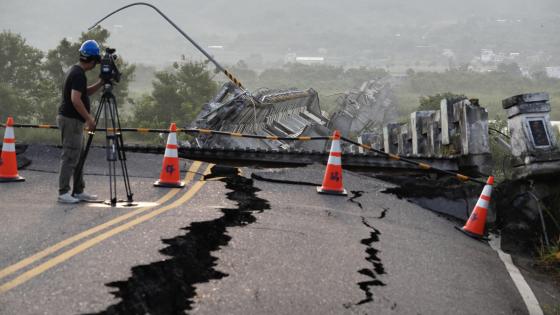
{"points": [[238, 245]]}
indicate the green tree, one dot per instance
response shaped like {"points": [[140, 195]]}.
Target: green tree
{"points": [[433, 102], [65, 54], [19, 62], [13, 104], [178, 95], [355, 77], [20, 76]]}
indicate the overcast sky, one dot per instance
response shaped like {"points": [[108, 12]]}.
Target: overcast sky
{"points": [[142, 36]]}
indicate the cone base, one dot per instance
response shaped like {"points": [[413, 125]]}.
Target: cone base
{"points": [[342, 192], [471, 234], [11, 179], [159, 183]]}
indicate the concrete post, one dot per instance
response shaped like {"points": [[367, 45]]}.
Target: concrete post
{"points": [[434, 133], [419, 134], [390, 138], [446, 110], [405, 140], [533, 140], [473, 127]]}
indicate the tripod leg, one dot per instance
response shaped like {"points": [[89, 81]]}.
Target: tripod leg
{"points": [[111, 147], [120, 149], [80, 167], [117, 147], [121, 153], [114, 143]]}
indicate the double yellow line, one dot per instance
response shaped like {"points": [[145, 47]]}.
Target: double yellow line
{"points": [[26, 276]]}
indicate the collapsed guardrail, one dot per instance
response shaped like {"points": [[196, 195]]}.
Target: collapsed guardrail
{"points": [[391, 156]]}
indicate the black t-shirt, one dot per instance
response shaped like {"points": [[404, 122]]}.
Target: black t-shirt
{"points": [[75, 80]]}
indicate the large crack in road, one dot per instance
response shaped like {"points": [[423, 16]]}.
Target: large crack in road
{"points": [[168, 287], [377, 269], [372, 257]]}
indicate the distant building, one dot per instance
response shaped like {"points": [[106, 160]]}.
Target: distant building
{"points": [[447, 53], [553, 72], [290, 58], [487, 55], [514, 55], [310, 60], [293, 58]]}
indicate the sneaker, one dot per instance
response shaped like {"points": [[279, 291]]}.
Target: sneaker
{"points": [[84, 196], [67, 198]]}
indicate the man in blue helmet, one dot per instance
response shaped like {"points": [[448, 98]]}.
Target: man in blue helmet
{"points": [[73, 112]]}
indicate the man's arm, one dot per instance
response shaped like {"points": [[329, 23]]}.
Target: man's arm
{"points": [[93, 88], [76, 98]]}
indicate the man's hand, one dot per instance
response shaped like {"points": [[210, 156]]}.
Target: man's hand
{"points": [[95, 87], [90, 124]]}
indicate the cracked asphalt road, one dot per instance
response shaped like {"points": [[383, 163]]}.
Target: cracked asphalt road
{"points": [[238, 245]]}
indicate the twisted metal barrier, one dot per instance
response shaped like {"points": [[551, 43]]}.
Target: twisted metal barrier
{"points": [[395, 157]]}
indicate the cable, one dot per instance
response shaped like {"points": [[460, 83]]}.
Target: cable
{"points": [[530, 193], [423, 166], [391, 156], [222, 69], [498, 131]]}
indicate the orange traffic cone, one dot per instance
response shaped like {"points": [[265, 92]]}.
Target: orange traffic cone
{"points": [[8, 161], [475, 224], [332, 182], [170, 175]]}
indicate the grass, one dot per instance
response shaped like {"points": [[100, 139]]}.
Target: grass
{"points": [[551, 309], [548, 260]]}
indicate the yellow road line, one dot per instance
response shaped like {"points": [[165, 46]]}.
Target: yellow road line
{"points": [[54, 248], [26, 276]]}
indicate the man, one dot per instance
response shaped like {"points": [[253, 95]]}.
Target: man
{"points": [[73, 112]]}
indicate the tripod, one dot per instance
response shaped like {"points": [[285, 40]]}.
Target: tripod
{"points": [[114, 146]]}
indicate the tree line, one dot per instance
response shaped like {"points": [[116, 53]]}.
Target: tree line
{"points": [[31, 83]]}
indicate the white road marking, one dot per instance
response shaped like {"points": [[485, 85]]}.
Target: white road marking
{"points": [[522, 286]]}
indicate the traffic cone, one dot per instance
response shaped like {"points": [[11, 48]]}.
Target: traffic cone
{"points": [[332, 182], [170, 175], [8, 161], [475, 224]]}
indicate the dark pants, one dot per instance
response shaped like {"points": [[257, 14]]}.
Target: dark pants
{"points": [[72, 133]]}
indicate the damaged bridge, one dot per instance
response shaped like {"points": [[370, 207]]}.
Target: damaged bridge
{"points": [[454, 137]]}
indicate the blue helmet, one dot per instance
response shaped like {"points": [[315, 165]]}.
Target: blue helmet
{"points": [[90, 51]]}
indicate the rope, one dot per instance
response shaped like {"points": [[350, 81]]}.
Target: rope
{"points": [[395, 157], [421, 165]]}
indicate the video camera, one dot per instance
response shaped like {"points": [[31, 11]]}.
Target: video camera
{"points": [[109, 70]]}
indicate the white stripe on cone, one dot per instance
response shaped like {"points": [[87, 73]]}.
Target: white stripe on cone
{"points": [[172, 139], [482, 204], [335, 146], [9, 134], [172, 153], [485, 192], [334, 160], [9, 147]]}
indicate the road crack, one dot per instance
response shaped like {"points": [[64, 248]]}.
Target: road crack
{"points": [[168, 286], [377, 266], [356, 194]]}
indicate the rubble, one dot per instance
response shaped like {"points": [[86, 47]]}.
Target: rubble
{"points": [[282, 113], [365, 109], [458, 130]]}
